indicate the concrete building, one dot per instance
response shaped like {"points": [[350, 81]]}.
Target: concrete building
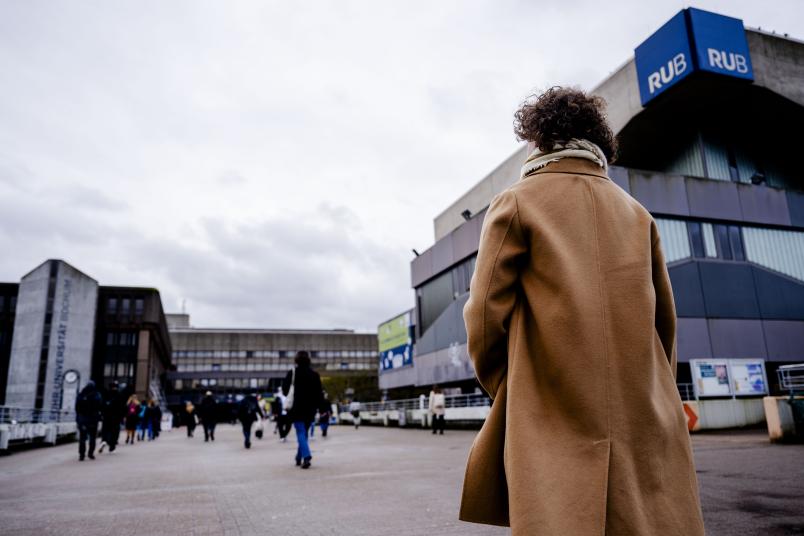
{"points": [[234, 361], [58, 331], [132, 344], [54, 326], [706, 146]]}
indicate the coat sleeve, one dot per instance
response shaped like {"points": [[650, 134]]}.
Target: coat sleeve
{"points": [[286, 383], [493, 291], [665, 306]]}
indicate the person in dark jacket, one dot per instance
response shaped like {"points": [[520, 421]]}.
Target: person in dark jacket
{"points": [[88, 411], [156, 420], [209, 415], [307, 395], [189, 418], [114, 411], [248, 413], [324, 414]]}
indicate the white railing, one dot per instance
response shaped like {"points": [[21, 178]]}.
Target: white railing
{"points": [[791, 377], [452, 401], [14, 415]]}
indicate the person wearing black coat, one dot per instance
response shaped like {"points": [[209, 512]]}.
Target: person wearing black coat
{"points": [[307, 398], [88, 411], [248, 412], [114, 411], [209, 415]]}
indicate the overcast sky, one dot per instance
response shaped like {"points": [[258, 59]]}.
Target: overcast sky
{"points": [[273, 163]]}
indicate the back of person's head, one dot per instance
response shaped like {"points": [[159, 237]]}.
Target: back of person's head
{"points": [[561, 114], [302, 358]]}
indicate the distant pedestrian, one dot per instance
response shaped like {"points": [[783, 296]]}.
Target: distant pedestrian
{"points": [[324, 414], [248, 413], [283, 423], [132, 418], [156, 419], [354, 409], [88, 412], [143, 420], [189, 418], [208, 412], [302, 386], [438, 409], [114, 411]]}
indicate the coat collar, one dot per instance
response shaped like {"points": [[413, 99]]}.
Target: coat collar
{"points": [[571, 166]]}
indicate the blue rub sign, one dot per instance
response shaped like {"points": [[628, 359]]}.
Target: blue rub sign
{"points": [[693, 40]]}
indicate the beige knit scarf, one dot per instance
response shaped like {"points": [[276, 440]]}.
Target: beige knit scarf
{"points": [[574, 148]]}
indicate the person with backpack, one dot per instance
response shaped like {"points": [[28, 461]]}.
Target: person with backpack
{"points": [[114, 411], [88, 411], [209, 415], [132, 418], [302, 387], [248, 413]]}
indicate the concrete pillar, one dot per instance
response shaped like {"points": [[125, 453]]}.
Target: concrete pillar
{"points": [[143, 374]]}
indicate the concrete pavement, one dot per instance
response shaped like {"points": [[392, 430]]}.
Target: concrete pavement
{"points": [[373, 481]]}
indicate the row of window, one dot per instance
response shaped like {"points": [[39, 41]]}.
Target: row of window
{"points": [[713, 157], [776, 249], [437, 294], [123, 306], [8, 304], [121, 338], [180, 354], [119, 370], [366, 363]]}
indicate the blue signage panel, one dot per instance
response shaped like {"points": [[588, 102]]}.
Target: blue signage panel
{"points": [[664, 58], [693, 40], [720, 44]]}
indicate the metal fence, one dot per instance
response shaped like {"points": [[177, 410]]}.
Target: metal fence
{"points": [[791, 377], [452, 401], [686, 391], [13, 415]]}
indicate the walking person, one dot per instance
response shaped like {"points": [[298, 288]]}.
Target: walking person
{"points": [[302, 386], [209, 415], [354, 409], [132, 418], [143, 420], [438, 409], [189, 418], [156, 419], [88, 411], [324, 414], [114, 411], [571, 327], [283, 423], [248, 413]]}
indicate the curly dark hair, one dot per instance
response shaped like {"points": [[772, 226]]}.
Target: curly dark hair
{"points": [[560, 114]]}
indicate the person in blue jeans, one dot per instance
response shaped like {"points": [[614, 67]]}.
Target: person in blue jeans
{"points": [[306, 399]]}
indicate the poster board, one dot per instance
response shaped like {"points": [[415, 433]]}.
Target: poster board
{"points": [[710, 377]]}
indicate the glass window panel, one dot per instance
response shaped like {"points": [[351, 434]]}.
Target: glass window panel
{"points": [[736, 242], [675, 239], [709, 240], [722, 238], [696, 238]]}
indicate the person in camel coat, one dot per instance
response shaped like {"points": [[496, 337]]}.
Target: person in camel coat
{"points": [[571, 328]]}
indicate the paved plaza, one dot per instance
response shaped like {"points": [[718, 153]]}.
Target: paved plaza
{"points": [[373, 481]]}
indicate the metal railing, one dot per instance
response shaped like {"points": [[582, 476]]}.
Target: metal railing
{"points": [[791, 377], [14, 415], [686, 391], [452, 401]]}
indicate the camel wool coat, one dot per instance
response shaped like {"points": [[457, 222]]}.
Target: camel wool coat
{"points": [[571, 328]]}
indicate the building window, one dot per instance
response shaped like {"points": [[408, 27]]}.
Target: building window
{"points": [[111, 306], [12, 304], [696, 238], [110, 339], [139, 305]]}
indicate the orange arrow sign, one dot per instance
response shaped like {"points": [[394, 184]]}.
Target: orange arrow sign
{"points": [[692, 418]]}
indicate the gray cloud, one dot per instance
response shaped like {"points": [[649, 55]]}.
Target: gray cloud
{"points": [[273, 163]]}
